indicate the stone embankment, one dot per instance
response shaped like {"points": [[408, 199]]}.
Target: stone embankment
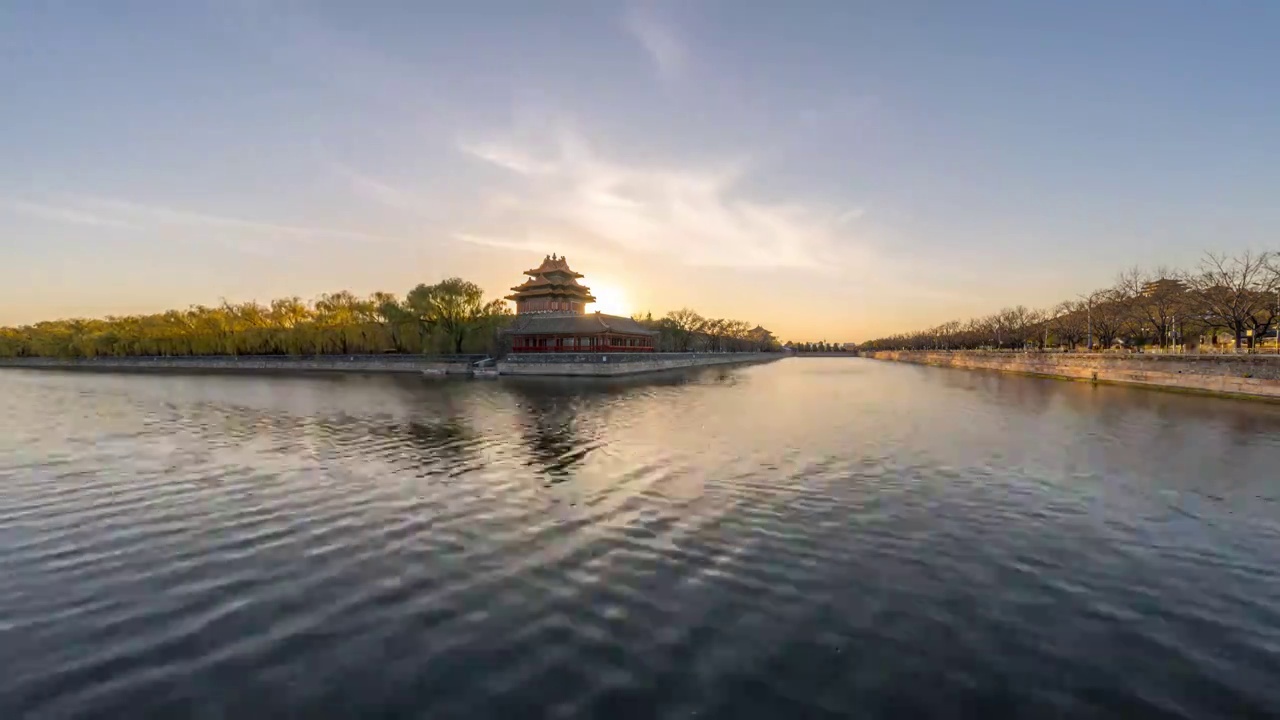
{"points": [[597, 364], [254, 364], [550, 364], [1255, 376]]}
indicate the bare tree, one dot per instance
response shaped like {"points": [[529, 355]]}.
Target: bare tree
{"points": [[1236, 293], [1017, 325], [1154, 301], [1107, 316], [1069, 323]]}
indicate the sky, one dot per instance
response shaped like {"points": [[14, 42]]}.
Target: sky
{"points": [[832, 170]]}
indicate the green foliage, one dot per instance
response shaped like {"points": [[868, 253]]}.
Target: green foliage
{"points": [[450, 316], [454, 306]]}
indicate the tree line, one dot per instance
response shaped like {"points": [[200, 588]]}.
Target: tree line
{"points": [[815, 347], [451, 316], [448, 317], [685, 330], [1227, 300]]}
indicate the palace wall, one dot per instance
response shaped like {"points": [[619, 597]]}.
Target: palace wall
{"points": [[603, 364]]}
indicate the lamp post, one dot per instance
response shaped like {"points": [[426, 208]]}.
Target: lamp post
{"points": [[1088, 303]]}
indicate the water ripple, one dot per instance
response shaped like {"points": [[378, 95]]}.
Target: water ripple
{"points": [[812, 538]]}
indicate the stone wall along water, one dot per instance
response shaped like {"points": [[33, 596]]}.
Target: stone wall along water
{"points": [[607, 364], [587, 364], [255, 363], [1243, 375]]}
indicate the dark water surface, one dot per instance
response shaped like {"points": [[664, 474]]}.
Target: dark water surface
{"points": [[809, 538]]}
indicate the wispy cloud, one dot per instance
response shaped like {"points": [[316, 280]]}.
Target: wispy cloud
{"points": [[496, 242], [70, 215], [116, 213], [507, 157], [697, 215], [379, 190], [851, 215], [536, 243], [657, 38]]}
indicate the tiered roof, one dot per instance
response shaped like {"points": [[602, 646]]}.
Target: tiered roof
{"points": [[552, 265], [552, 278]]}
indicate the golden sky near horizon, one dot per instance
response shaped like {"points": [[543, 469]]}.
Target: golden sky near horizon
{"points": [[831, 171]]}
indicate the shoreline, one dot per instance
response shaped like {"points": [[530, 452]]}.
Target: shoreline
{"points": [[1242, 377], [577, 365]]}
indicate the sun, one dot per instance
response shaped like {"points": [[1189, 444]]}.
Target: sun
{"points": [[610, 300]]}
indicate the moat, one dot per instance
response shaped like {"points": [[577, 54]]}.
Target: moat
{"points": [[826, 537]]}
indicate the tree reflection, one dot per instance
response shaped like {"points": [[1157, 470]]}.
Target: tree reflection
{"points": [[549, 424], [429, 416], [562, 419]]}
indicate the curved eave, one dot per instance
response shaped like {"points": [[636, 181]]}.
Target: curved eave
{"points": [[552, 292], [561, 287], [538, 283]]}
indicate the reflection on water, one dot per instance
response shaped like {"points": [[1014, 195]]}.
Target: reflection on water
{"points": [[810, 538]]}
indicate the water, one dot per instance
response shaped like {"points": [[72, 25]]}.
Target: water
{"points": [[809, 538]]}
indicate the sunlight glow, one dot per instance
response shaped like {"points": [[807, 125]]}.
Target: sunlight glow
{"points": [[610, 300]]}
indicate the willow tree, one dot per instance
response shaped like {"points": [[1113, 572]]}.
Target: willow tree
{"points": [[339, 322], [454, 306]]}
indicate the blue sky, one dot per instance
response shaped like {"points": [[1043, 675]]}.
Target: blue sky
{"points": [[829, 169]]}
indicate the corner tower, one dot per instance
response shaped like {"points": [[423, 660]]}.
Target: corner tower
{"points": [[551, 317], [552, 287]]}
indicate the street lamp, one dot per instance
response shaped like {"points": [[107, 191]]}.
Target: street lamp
{"points": [[1088, 302]]}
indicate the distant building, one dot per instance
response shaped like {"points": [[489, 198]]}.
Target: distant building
{"points": [[1163, 286], [552, 317], [762, 338]]}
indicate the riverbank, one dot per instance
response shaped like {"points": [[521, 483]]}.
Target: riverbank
{"points": [[523, 364], [1249, 376]]}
